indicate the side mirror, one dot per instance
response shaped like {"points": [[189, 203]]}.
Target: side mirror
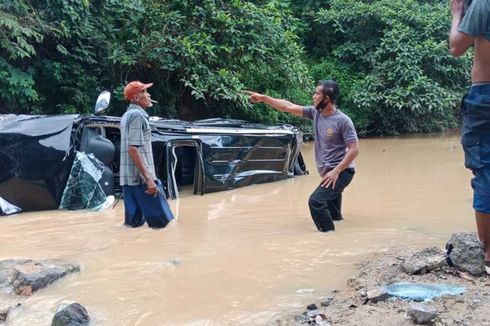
{"points": [[102, 102]]}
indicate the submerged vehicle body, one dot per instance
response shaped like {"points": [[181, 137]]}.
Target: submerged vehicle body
{"points": [[37, 153]]}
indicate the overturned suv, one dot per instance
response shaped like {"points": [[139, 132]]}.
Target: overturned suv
{"points": [[37, 153]]}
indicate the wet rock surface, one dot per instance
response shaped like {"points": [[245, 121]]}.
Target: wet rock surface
{"points": [[350, 306], [376, 295], [464, 252], [72, 315], [26, 276], [422, 314], [425, 261], [5, 311]]}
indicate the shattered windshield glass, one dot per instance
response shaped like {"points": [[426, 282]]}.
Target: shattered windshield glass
{"points": [[83, 189]]}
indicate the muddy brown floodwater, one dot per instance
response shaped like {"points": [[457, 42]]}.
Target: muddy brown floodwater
{"points": [[249, 255]]}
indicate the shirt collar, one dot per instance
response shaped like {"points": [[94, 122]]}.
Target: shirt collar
{"points": [[133, 106]]}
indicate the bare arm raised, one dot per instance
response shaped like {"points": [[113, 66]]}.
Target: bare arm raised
{"points": [[458, 42], [278, 104], [470, 28]]}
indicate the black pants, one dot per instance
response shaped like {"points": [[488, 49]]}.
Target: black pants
{"points": [[326, 203]]}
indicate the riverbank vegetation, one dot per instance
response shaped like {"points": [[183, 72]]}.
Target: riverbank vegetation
{"points": [[390, 57]]}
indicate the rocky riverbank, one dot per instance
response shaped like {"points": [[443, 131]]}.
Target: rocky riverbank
{"points": [[21, 278], [365, 300]]}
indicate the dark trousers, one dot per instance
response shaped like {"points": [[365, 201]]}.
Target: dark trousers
{"points": [[326, 203], [140, 207]]}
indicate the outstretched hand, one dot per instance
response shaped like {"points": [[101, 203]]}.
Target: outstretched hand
{"points": [[255, 97]]}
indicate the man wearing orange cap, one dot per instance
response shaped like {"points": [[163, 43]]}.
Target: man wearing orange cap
{"points": [[144, 198]]}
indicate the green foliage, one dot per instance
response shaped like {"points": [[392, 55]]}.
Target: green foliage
{"points": [[406, 79], [50, 56], [20, 31], [17, 84], [349, 81], [389, 56], [211, 50]]}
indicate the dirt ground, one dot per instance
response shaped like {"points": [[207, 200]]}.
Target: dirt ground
{"points": [[350, 306]]}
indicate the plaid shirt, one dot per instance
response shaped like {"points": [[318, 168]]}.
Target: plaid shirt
{"points": [[135, 131]]}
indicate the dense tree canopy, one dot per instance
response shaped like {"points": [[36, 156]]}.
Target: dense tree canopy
{"points": [[389, 56], [403, 78]]}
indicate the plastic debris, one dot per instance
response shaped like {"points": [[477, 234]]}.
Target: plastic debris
{"points": [[422, 292], [106, 204], [7, 208]]}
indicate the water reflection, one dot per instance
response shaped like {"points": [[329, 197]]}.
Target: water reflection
{"points": [[248, 255]]}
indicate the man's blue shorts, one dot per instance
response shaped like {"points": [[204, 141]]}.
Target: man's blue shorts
{"points": [[140, 207], [475, 138]]}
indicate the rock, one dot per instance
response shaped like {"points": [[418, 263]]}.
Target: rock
{"points": [[464, 252], [72, 315], [465, 275], [446, 322], [354, 283], [422, 314], [3, 314], [311, 314], [302, 319], [327, 302], [25, 276], [424, 261], [319, 320], [377, 295]]}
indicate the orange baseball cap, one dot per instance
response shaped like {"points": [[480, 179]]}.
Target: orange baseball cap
{"points": [[134, 88]]}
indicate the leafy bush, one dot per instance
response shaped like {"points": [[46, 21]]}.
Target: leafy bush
{"points": [[389, 56], [51, 56], [349, 81], [406, 80], [202, 54]]}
